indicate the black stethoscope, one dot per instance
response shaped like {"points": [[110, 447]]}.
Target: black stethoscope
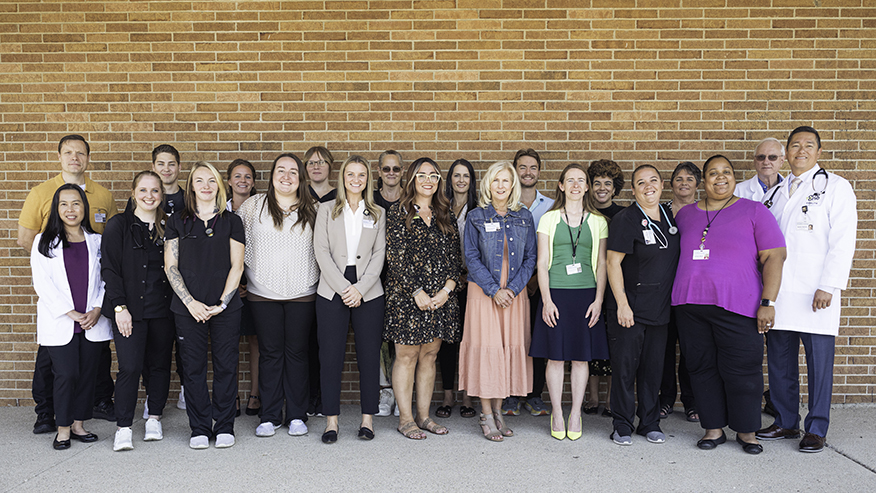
{"points": [[815, 197], [208, 231], [664, 243], [138, 236]]}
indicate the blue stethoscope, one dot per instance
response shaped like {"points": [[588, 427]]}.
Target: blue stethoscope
{"points": [[664, 243], [815, 197]]}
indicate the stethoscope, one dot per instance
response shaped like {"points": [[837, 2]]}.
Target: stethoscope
{"points": [[661, 239], [815, 197], [208, 231], [139, 244]]}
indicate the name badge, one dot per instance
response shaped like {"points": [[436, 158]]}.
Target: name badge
{"points": [[367, 222], [573, 269], [649, 237], [804, 226], [701, 254], [492, 227], [100, 217]]}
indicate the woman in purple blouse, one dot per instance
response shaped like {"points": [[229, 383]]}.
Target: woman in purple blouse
{"points": [[728, 277]]}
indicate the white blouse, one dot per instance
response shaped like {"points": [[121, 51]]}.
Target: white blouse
{"points": [[279, 263], [353, 228]]}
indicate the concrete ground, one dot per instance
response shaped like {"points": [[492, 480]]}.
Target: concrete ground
{"points": [[460, 461]]}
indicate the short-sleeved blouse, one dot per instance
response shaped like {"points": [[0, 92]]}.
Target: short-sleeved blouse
{"points": [[730, 278], [204, 261], [422, 257]]}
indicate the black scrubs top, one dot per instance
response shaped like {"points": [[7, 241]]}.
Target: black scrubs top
{"points": [[332, 195], [204, 262], [649, 270]]}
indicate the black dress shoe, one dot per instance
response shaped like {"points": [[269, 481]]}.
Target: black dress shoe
{"points": [[812, 443], [45, 423], [330, 436], [774, 432], [607, 413], [366, 433], [60, 445], [709, 444], [749, 448], [104, 410], [86, 438], [590, 410]]}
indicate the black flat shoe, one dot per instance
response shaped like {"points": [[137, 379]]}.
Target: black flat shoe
{"points": [[709, 444], [330, 436], [591, 410], [86, 438], [60, 445], [366, 433], [749, 448], [250, 411], [607, 413]]}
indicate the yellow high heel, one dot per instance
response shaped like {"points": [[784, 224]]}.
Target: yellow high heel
{"points": [[559, 435], [574, 435]]}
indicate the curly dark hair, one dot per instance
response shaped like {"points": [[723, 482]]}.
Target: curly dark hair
{"points": [[610, 169]]}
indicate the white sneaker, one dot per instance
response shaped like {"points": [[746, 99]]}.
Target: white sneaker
{"points": [[395, 413], [153, 430], [123, 440], [224, 440], [297, 428], [199, 442], [181, 403], [146, 408], [266, 429], [387, 400]]}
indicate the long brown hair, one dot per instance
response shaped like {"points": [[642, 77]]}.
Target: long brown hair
{"points": [[560, 202], [305, 207], [440, 203], [160, 215], [367, 194]]}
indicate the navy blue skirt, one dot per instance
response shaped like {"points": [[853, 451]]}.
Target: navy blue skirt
{"points": [[571, 339]]}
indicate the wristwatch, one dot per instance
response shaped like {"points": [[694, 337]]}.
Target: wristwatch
{"points": [[766, 302], [120, 308]]}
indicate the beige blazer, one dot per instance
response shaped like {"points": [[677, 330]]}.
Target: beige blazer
{"points": [[330, 246]]}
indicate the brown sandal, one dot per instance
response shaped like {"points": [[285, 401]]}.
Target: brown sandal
{"points": [[412, 431], [500, 423], [432, 427], [488, 425]]}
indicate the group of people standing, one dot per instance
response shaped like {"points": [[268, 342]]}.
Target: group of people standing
{"points": [[495, 280]]}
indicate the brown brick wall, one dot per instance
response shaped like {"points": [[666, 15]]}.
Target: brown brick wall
{"points": [[639, 81]]}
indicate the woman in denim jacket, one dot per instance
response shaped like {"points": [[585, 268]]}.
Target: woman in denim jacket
{"points": [[500, 253]]}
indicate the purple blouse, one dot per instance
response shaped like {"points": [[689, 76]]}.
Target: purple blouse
{"points": [[76, 265], [730, 278]]}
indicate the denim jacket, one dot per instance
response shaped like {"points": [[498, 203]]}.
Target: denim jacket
{"points": [[483, 249]]}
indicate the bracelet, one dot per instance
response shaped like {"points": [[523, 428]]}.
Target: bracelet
{"points": [[223, 306], [417, 292], [447, 290]]}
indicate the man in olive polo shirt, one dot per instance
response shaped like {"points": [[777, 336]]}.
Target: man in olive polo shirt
{"points": [[73, 153]]}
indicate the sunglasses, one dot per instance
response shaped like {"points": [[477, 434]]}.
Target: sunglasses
{"points": [[432, 177], [771, 157], [393, 169]]}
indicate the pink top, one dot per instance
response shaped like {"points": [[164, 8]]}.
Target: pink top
{"points": [[730, 278]]}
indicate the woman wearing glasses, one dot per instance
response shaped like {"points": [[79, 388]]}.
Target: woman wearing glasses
{"points": [[137, 301], [423, 257], [318, 161], [203, 259], [500, 253], [642, 256]]}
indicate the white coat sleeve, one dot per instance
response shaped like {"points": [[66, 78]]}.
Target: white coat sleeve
{"points": [[56, 300], [843, 217]]}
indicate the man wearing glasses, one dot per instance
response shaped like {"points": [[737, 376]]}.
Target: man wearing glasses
{"points": [[768, 158]]}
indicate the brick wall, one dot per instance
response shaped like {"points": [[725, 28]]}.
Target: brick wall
{"points": [[638, 81]]}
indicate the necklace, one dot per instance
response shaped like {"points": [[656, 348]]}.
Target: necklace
{"points": [[710, 221]]}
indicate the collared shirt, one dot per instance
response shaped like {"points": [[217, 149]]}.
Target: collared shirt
{"points": [[353, 228], [35, 213], [540, 205]]}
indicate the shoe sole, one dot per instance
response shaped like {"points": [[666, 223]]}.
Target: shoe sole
{"points": [[812, 451], [153, 438], [536, 412], [772, 439], [229, 445], [655, 441], [623, 444], [123, 448]]}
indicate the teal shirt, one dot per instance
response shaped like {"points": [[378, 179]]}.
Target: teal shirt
{"points": [[562, 256]]}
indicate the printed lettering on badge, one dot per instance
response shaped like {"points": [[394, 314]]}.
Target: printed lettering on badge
{"points": [[649, 237], [367, 222], [701, 254], [573, 269], [100, 217], [492, 227]]}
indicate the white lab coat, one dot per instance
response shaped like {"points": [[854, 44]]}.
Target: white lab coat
{"points": [[751, 189], [820, 245], [54, 327]]}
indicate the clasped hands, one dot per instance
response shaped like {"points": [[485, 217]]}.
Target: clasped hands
{"points": [[428, 303], [86, 320]]}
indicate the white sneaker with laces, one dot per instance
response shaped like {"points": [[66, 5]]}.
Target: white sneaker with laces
{"points": [[266, 429], [199, 442], [181, 403], [123, 440], [224, 440], [387, 401], [297, 428], [153, 430]]}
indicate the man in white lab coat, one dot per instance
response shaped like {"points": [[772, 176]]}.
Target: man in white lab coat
{"points": [[816, 211], [768, 158]]}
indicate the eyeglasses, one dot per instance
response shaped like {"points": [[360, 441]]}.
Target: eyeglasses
{"points": [[393, 169], [317, 164], [771, 157], [423, 177]]}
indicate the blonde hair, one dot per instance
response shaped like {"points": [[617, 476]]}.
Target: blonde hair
{"points": [[191, 200], [486, 196], [367, 194]]}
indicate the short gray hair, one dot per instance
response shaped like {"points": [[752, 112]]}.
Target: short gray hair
{"points": [[771, 139]]}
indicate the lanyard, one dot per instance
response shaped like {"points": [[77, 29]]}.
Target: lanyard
{"points": [[710, 221], [575, 241]]}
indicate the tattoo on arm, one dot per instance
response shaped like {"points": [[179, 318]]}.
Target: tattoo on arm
{"points": [[229, 296], [174, 276]]}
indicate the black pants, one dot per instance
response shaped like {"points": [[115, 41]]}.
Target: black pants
{"points": [[223, 332], [74, 369], [283, 329], [149, 346], [178, 358], [448, 355], [333, 321], [636, 365], [668, 388], [538, 364], [43, 380], [104, 386], [725, 359]]}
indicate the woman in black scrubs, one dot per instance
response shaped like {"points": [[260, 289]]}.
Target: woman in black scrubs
{"points": [[137, 301], [203, 258], [643, 248]]}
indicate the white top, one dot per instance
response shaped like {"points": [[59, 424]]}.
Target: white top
{"points": [[820, 246], [540, 205], [353, 228], [752, 189], [279, 263]]}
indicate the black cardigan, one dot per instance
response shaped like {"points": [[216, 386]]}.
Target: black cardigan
{"points": [[123, 268]]}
